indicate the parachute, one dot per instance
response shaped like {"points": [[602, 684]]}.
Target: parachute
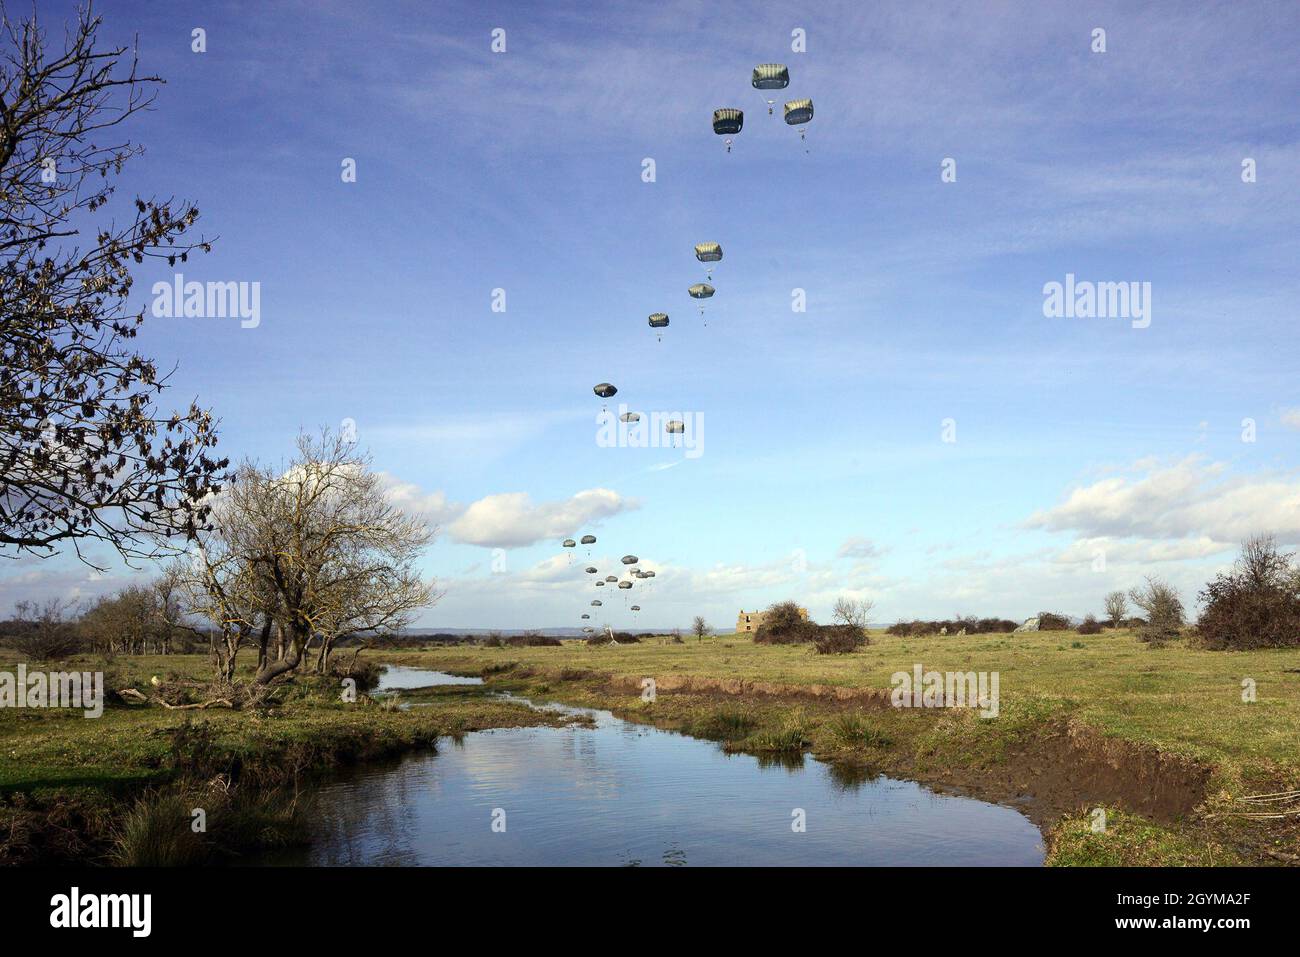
{"points": [[631, 416], [728, 122], [589, 539], [600, 584], [591, 569], [658, 320], [569, 543], [708, 253], [611, 578], [636, 607], [701, 290], [799, 113], [625, 585], [770, 76], [596, 603], [604, 390], [629, 559], [586, 616], [675, 427]]}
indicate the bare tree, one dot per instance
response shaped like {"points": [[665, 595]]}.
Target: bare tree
{"points": [[1116, 608], [315, 553], [84, 454], [1163, 608], [44, 631], [847, 611], [699, 628]]}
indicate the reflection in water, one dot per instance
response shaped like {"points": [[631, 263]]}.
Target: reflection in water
{"points": [[400, 677], [626, 794]]}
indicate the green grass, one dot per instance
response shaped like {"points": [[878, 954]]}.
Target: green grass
{"points": [[112, 780], [1178, 699]]}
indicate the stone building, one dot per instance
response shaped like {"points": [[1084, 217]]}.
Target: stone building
{"points": [[748, 621]]}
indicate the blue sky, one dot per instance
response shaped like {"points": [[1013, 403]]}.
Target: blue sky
{"points": [[823, 468]]}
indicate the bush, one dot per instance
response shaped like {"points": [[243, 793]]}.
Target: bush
{"points": [[784, 625], [839, 639], [1256, 605], [532, 639], [1164, 610], [973, 626], [1089, 626], [1050, 621]]}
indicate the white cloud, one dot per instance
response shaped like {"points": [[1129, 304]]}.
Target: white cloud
{"points": [[858, 547], [1190, 499], [512, 520]]}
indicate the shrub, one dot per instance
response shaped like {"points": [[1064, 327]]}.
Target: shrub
{"points": [[839, 639], [784, 625], [1256, 605], [1164, 610], [1050, 621], [1089, 626], [532, 639]]}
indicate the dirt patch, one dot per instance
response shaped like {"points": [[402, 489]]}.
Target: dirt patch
{"points": [[1068, 768]]}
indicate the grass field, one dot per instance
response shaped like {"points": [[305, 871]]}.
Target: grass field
{"points": [[66, 781], [1159, 737]]}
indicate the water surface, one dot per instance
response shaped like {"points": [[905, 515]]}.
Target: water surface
{"points": [[627, 794]]}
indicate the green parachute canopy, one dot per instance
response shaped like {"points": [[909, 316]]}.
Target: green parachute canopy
{"points": [[728, 122], [701, 290], [770, 76], [708, 252], [798, 112], [604, 390]]}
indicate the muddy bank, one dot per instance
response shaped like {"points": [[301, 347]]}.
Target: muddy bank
{"points": [[1061, 768]]}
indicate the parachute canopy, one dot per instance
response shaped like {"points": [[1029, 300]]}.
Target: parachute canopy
{"points": [[629, 559], [600, 584], [631, 416], [701, 290], [604, 390], [728, 121], [708, 252], [596, 603], [798, 112], [611, 578], [586, 616], [636, 607], [591, 569], [569, 543], [625, 585], [657, 321], [589, 539], [676, 426], [770, 76]]}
